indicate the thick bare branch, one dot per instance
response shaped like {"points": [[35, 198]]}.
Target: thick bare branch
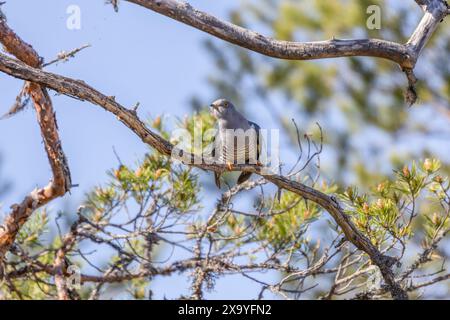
{"points": [[435, 11], [405, 55], [61, 181], [81, 90]]}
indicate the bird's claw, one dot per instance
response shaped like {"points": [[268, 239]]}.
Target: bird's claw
{"points": [[229, 166]]}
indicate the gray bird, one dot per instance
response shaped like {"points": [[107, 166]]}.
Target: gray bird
{"points": [[232, 148]]}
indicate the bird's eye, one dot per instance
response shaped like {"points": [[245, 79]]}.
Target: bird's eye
{"points": [[226, 104]]}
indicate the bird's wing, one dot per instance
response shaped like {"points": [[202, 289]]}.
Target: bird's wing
{"points": [[258, 142]]}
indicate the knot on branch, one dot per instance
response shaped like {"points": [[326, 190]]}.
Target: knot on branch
{"points": [[431, 5], [186, 6], [411, 93]]}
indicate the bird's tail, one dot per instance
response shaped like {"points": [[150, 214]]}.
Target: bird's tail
{"points": [[244, 177]]}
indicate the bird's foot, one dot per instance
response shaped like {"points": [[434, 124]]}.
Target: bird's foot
{"points": [[229, 166], [259, 164]]}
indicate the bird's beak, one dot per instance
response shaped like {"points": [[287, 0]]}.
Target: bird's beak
{"points": [[213, 106]]}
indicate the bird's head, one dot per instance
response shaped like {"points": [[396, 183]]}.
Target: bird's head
{"points": [[221, 108]]}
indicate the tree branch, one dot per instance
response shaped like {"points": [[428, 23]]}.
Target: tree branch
{"points": [[434, 12], [334, 48], [61, 181], [405, 55], [82, 91]]}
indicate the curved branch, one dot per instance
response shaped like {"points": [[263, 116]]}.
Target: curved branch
{"points": [[81, 90], [61, 181], [403, 54], [334, 48]]}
